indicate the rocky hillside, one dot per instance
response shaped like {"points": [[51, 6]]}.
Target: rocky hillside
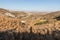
{"points": [[19, 25]]}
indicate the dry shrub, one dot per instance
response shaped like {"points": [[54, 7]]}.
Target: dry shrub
{"points": [[11, 29], [8, 23]]}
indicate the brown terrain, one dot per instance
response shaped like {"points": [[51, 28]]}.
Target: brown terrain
{"points": [[19, 25]]}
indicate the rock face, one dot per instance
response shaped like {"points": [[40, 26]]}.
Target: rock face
{"points": [[12, 28]]}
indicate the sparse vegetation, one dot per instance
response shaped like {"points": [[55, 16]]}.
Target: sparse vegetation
{"points": [[11, 28]]}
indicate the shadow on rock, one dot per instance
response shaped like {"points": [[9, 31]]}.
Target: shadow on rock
{"points": [[13, 35]]}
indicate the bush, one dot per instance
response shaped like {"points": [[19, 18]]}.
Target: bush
{"points": [[57, 18], [39, 23]]}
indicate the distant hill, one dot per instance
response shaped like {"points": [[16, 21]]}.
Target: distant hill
{"points": [[20, 14], [53, 14]]}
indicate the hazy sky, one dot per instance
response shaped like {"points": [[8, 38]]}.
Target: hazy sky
{"points": [[31, 5]]}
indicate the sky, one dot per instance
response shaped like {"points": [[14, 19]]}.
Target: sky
{"points": [[31, 5]]}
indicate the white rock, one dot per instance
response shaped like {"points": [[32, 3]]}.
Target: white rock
{"points": [[9, 14], [22, 21]]}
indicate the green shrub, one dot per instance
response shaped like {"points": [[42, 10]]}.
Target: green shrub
{"points": [[39, 23]]}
